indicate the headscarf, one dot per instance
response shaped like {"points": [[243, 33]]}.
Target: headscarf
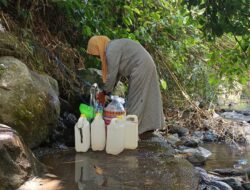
{"points": [[97, 46]]}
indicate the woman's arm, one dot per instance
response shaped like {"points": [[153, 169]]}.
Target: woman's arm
{"points": [[113, 62]]}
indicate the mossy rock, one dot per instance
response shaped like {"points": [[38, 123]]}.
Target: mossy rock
{"points": [[28, 101]]}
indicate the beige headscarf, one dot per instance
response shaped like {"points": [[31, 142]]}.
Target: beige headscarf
{"points": [[97, 46]]}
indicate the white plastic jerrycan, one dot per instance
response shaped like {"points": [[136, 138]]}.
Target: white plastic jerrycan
{"points": [[131, 132], [98, 134], [82, 134], [115, 136]]}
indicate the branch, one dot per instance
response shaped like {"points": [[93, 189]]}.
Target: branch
{"points": [[6, 23], [245, 54], [183, 91]]}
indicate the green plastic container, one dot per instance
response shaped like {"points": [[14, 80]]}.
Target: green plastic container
{"points": [[88, 111]]}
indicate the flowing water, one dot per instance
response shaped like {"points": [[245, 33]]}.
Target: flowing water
{"points": [[226, 156]]}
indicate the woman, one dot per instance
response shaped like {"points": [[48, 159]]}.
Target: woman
{"points": [[125, 57]]}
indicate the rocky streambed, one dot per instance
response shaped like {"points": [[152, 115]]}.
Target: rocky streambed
{"points": [[176, 160]]}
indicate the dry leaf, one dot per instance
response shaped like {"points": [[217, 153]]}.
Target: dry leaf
{"points": [[98, 170]]}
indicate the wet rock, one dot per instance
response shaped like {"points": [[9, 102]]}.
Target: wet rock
{"points": [[196, 159], [172, 139], [198, 136], [246, 113], [197, 156], [208, 187], [221, 185], [229, 172], [156, 141], [28, 101], [17, 163], [63, 133], [204, 178], [210, 182], [235, 183], [181, 131], [246, 186], [57, 134], [69, 120], [188, 142], [209, 136]]}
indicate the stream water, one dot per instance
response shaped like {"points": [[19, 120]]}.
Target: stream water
{"points": [[143, 168], [226, 156], [148, 167], [151, 166]]}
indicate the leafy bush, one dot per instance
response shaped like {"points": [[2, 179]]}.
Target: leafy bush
{"points": [[172, 31]]}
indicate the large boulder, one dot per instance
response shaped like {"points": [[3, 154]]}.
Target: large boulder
{"points": [[17, 163], [28, 101]]}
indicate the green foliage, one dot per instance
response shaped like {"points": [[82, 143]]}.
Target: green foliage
{"points": [[166, 29], [218, 17], [229, 17], [163, 84], [172, 31]]}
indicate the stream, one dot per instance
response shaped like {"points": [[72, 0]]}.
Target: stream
{"points": [[150, 166], [226, 156]]}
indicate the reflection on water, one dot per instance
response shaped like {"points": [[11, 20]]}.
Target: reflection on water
{"points": [[86, 173], [131, 170], [226, 156], [89, 171]]}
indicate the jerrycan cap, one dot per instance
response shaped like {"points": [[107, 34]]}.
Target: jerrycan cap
{"points": [[120, 116], [98, 114], [88, 111]]}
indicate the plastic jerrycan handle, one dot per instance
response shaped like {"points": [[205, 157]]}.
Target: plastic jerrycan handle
{"points": [[132, 118], [116, 121]]}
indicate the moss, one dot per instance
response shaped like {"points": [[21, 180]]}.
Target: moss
{"points": [[28, 115], [2, 70]]}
